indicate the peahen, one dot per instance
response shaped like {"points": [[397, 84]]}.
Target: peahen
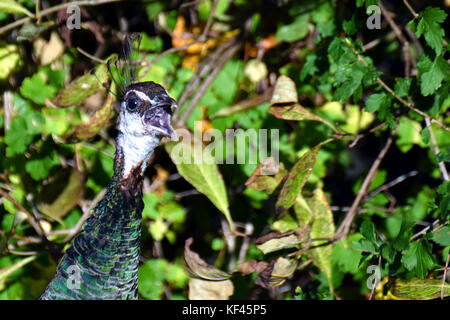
{"points": [[102, 262]]}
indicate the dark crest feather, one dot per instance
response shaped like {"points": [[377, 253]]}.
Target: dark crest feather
{"points": [[123, 70]]}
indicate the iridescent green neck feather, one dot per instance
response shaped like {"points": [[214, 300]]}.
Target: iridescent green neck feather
{"points": [[102, 262]]}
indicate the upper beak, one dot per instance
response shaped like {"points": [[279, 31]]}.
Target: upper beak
{"points": [[159, 118]]}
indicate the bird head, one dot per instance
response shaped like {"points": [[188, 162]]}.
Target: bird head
{"points": [[146, 109]]}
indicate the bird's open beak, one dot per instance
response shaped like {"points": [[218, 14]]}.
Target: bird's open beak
{"points": [[158, 118]]}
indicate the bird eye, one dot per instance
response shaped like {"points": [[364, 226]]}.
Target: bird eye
{"points": [[132, 104], [167, 108]]}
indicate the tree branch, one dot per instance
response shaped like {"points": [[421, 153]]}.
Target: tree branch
{"points": [[53, 9], [345, 225]]}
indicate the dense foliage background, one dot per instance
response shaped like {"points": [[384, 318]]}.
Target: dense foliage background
{"points": [[378, 195]]}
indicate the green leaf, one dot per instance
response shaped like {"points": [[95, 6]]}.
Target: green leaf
{"points": [[150, 278], [349, 26], [443, 201], [425, 134], [350, 85], [419, 289], [402, 239], [368, 230], [295, 31], [151, 201], [36, 89], [402, 86], [429, 27], [376, 101], [81, 88], [443, 236], [158, 229], [296, 179], [11, 6], [431, 74], [345, 258], [7, 271], [9, 60], [381, 103], [322, 227], [309, 68], [39, 168], [409, 134], [199, 168], [418, 258], [23, 129], [444, 155]]}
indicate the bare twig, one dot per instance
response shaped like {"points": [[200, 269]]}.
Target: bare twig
{"points": [[444, 277], [230, 240], [205, 68], [245, 104], [391, 184], [398, 33], [23, 253], [245, 243], [345, 225], [415, 15], [193, 103], [7, 105], [432, 226], [187, 193], [31, 218], [200, 38], [90, 56], [50, 10], [435, 148]]}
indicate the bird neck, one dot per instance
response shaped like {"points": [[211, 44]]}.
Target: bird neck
{"points": [[133, 153]]}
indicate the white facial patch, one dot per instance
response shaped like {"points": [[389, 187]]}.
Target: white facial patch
{"points": [[141, 96], [136, 143]]}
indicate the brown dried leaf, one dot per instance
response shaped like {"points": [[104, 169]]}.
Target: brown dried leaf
{"points": [[284, 104], [252, 266], [276, 241], [260, 178], [210, 290], [198, 268], [48, 51], [282, 269], [285, 92], [277, 272]]}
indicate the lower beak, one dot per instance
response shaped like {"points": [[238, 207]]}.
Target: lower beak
{"points": [[158, 119]]}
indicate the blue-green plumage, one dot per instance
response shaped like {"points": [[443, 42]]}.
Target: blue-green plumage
{"points": [[102, 262]]}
